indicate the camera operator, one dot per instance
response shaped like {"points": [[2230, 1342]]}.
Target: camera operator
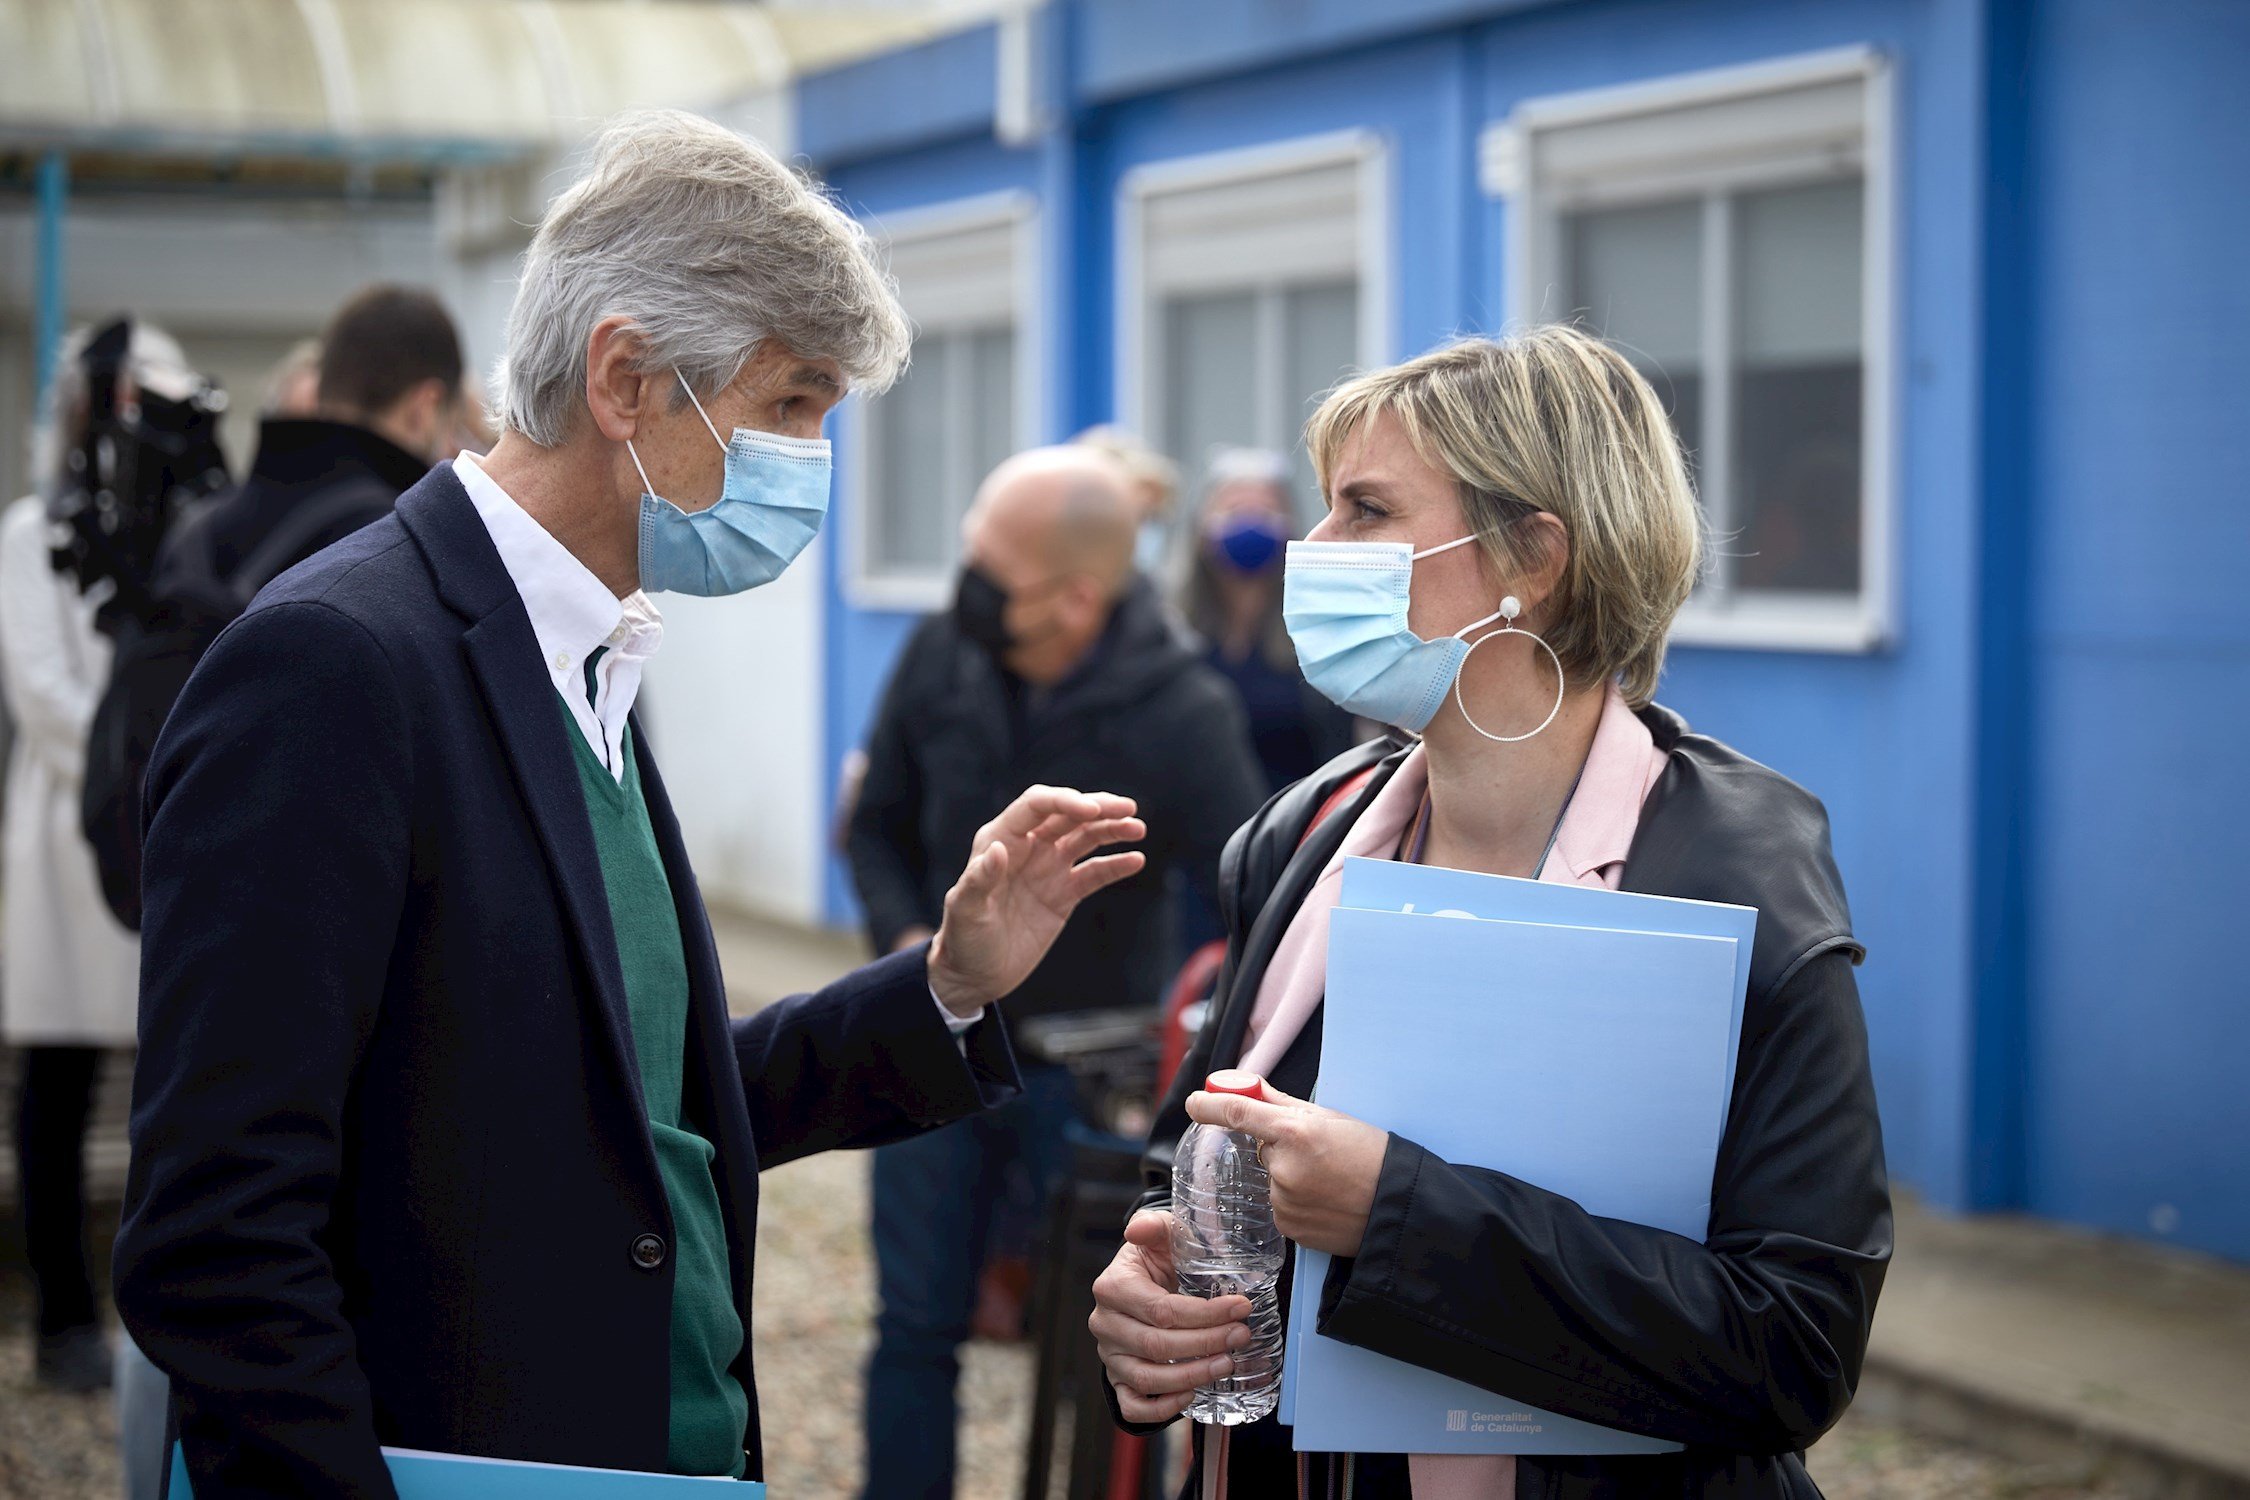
{"points": [[68, 971], [389, 404]]}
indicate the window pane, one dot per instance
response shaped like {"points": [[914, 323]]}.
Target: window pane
{"points": [[1210, 377], [1321, 325], [909, 512], [1636, 278], [1797, 393], [992, 361]]}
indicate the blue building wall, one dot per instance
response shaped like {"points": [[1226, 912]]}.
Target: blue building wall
{"points": [[2138, 1117], [2046, 1030]]}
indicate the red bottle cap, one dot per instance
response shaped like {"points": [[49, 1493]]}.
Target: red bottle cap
{"points": [[1235, 1081]]}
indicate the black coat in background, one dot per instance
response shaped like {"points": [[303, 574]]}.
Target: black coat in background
{"points": [[1745, 1347], [392, 1179], [313, 483], [956, 740]]}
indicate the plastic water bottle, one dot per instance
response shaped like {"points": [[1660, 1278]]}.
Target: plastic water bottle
{"points": [[1224, 1244]]}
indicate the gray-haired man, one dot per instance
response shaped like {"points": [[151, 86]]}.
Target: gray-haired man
{"points": [[442, 1137]]}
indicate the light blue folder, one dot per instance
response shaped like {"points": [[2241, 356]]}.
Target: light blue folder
{"points": [[453, 1476], [1591, 1053], [1386, 885]]}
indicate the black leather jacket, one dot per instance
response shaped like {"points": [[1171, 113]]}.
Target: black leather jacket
{"points": [[1745, 1347]]}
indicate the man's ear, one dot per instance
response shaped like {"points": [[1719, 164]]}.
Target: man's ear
{"points": [[1089, 601], [618, 393]]}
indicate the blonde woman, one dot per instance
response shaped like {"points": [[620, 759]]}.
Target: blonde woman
{"points": [[1519, 488]]}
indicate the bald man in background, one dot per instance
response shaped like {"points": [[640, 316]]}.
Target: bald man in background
{"points": [[1055, 666]]}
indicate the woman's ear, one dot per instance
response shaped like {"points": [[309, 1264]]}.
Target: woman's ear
{"points": [[1543, 543], [617, 391]]}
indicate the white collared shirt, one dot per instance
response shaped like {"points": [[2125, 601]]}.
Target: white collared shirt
{"points": [[573, 614]]}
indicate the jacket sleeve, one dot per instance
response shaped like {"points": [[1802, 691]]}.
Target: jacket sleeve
{"points": [[275, 872], [50, 702], [866, 1061], [1749, 1342], [884, 839]]}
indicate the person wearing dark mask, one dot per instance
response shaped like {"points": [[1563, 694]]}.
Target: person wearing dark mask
{"points": [[1233, 601], [1055, 665]]}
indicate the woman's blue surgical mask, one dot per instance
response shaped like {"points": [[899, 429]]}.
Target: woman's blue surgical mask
{"points": [[1345, 605], [768, 511]]}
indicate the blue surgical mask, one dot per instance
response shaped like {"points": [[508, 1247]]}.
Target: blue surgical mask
{"points": [[1345, 605], [1249, 543], [768, 511]]}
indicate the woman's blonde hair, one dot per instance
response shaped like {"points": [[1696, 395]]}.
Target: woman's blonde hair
{"points": [[1551, 420]]}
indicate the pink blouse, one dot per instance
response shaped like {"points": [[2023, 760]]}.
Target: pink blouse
{"points": [[1622, 766]]}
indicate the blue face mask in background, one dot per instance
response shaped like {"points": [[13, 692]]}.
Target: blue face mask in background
{"points": [[1249, 544], [1345, 605], [769, 510]]}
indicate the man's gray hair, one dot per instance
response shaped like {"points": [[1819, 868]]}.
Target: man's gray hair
{"points": [[711, 246]]}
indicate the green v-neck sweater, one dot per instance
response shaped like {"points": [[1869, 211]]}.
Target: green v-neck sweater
{"points": [[710, 1410]]}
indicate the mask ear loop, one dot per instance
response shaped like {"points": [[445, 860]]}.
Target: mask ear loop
{"points": [[1509, 609], [646, 487], [699, 411]]}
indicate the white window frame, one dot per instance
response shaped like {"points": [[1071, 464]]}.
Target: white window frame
{"points": [[1762, 618], [1141, 294], [865, 585]]}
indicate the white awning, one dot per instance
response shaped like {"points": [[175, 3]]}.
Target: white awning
{"points": [[427, 80]]}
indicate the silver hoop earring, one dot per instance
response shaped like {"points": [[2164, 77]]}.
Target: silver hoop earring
{"points": [[1509, 609]]}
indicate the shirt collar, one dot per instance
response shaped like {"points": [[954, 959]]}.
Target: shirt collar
{"points": [[1622, 765], [571, 610]]}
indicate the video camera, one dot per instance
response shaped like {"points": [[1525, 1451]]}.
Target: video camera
{"points": [[148, 448]]}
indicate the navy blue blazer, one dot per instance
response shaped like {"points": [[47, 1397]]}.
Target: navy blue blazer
{"points": [[392, 1181]]}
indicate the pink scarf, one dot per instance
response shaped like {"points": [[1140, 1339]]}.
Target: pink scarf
{"points": [[1597, 830]]}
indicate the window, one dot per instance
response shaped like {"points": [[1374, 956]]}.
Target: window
{"points": [[919, 450], [1253, 281], [1730, 233]]}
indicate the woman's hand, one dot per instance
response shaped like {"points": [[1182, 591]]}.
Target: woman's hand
{"points": [[1029, 873], [1323, 1165], [1157, 1345]]}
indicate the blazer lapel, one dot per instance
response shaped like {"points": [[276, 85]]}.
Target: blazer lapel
{"points": [[533, 729]]}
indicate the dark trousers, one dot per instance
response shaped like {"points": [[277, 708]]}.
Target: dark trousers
{"points": [[941, 1201], [51, 1114]]}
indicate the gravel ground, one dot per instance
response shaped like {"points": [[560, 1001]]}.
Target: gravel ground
{"points": [[812, 1323]]}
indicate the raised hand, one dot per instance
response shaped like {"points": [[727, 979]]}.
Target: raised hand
{"points": [[1028, 874]]}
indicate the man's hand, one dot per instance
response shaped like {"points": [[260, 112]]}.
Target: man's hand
{"points": [[1323, 1165], [1029, 873], [1158, 1345]]}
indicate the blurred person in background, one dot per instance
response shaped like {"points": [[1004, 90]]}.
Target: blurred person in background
{"points": [[293, 384], [1055, 664], [1155, 482], [68, 969], [473, 432], [1233, 602], [390, 384]]}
